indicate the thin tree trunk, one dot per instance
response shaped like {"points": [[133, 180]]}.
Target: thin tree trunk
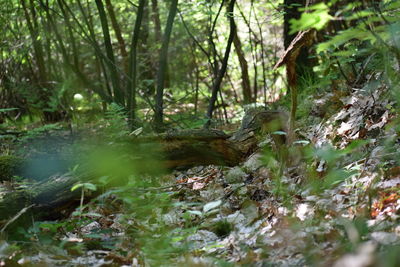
{"points": [[146, 52], [132, 74], [156, 19], [155, 16], [253, 40], [264, 75], [214, 53], [224, 65], [246, 87], [75, 67], [106, 94], [158, 113], [37, 45], [75, 52], [118, 93], [49, 115], [292, 11], [118, 34], [196, 78]]}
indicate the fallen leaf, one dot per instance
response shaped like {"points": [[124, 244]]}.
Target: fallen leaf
{"points": [[344, 127], [211, 205]]}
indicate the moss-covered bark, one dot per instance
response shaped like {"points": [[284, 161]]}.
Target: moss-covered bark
{"points": [[52, 197], [9, 166]]}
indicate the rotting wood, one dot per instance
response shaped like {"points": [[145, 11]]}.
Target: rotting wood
{"points": [[52, 198]]}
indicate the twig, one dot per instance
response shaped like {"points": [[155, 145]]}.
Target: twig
{"points": [[173, 185], [342, 72], [16, 217], [363, 69]]}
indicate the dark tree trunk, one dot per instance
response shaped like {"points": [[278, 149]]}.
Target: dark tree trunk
{"points": [[221, 73], [291, 8], [104, 91], [43, 86], [162, 67], [110, 60], [146, 55], [156, 20], [246, 87], [36, 41], [118, 34], [132, 75]]}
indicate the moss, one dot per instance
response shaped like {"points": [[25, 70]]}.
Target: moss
{"points": [[8, 167]]}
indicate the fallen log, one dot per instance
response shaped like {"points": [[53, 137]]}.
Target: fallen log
{"points": [[52, 198]]}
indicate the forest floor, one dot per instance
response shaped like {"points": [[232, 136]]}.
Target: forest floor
{"points": [[328, 207]]}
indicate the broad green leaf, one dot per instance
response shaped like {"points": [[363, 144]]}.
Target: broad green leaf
{"points": [[90, 186], [87, 186], [344, 37], [316, 19]]}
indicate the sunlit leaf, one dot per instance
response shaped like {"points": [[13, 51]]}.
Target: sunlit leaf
{"points": [[317, 19]]}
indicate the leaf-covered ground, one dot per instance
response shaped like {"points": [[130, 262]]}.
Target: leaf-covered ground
{"points": [[335, 203]]}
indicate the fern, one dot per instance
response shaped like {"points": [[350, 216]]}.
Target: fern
{"points": [[116, 126]]}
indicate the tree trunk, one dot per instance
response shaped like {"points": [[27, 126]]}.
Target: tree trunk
{"points": [[52, 198], [104, 92], [110, 60], [36, 42], [156, 20], [118, 34], [246, 87], [291, 11], [132, 75], [217, 83], [162, 67]]}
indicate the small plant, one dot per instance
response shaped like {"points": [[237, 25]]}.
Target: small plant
{"points": [[85, 187], [116, 126]]}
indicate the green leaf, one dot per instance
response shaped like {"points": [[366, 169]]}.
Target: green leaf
{"points": [[316, 19], [76, 187], [344, 37], [86, 186], [90, 186], [7, 109]]}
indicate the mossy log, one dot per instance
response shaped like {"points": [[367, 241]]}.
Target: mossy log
{"points": [[9, 166], [48, 197], [52, 197]]}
